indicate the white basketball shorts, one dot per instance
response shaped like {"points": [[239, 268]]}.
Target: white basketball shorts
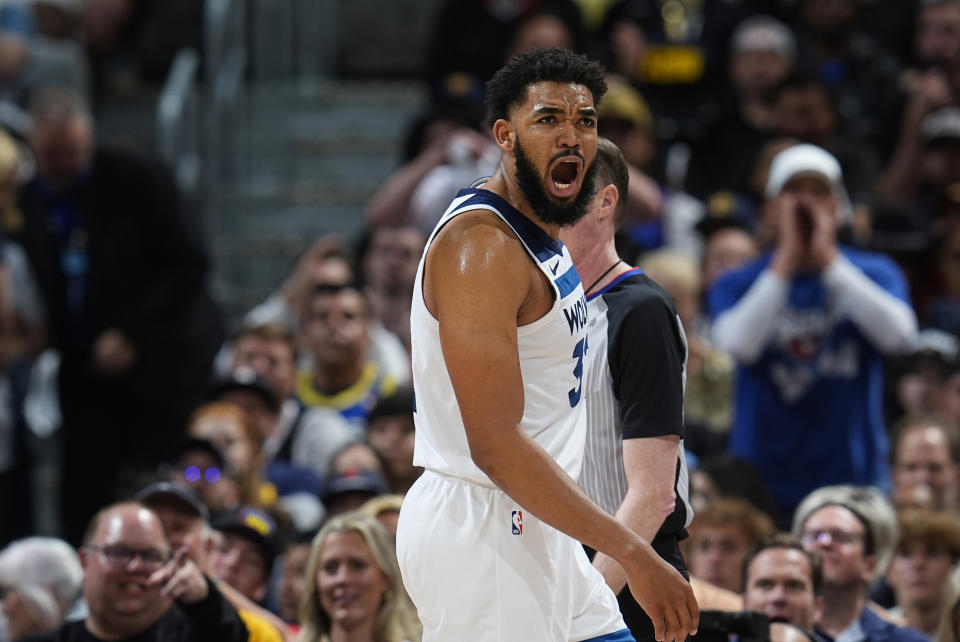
{"points": [[479, 567]]}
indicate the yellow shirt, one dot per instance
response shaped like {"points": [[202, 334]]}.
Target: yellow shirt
{"points": [[260, 630]]}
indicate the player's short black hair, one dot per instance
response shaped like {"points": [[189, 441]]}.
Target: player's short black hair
{"points": [[508, 86]]}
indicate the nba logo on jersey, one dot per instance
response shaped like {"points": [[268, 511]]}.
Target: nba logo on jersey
{"points": [[517, 522]]}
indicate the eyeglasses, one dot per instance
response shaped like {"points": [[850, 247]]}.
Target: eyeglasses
{"points": [[826, 537], [120, 556]]}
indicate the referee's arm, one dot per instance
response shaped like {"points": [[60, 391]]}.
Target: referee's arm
{"points": [[647, 357], [650, 464]]}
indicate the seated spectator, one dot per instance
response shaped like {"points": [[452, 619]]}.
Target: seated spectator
{"points": [[389, 265], [354, 553], [386, 508], [927, 553], [723, 475], [949, 629], [390, 431], [918, 375], [199, 465], [40, 581], [244, 388], [809, 326], [228, 428], [301, 437], [293, 579], [326, 263], [782, 580], [185, 521], [804, 109], [854, 530], [720, 538], [296, 483], [762, 53], [924, 470], [348, 490], [136, 589], [727, 232], [244, 554], [343, 376], [358, 456]]}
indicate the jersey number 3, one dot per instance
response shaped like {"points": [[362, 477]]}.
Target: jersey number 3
{"points": [[579, 351]]}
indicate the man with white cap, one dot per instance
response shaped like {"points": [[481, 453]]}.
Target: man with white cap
{"points": [[809, 324]]}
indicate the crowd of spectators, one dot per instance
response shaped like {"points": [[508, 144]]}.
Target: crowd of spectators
{"points": [[794, 186]]}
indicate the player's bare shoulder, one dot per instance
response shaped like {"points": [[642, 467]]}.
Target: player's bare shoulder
{"points": [[474, 253]]}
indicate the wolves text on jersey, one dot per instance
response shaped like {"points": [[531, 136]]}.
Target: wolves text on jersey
{"points": [[576, 315]]}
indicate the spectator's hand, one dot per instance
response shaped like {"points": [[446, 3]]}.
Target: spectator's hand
{"points": [[465, 145], [823, 241], [931, 91], [789, 253], [644, 199], [665, 597], [629, 47], [297, 287], [113, 352], [181, 579]]}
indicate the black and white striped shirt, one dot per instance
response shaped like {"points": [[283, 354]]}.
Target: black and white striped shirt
{"points": [[633, 383]]}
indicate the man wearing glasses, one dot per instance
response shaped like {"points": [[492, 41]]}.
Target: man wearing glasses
{"points": [[136, 588], [854, 531]]}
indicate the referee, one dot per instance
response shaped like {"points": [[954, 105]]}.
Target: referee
{"points": [[633, 382]]}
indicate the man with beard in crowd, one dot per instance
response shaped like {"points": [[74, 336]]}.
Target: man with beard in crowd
{"points": [[486, 537]]}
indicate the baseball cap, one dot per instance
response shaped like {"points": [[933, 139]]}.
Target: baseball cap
{"points": [[942, 124], [726, 209], [808, 160], [622, 102], [252, 524], [354, 480], [246, 378], [165, 492], [763, 33]]}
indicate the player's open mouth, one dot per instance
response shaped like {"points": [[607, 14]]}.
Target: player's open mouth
{"points": [[563, 175]]}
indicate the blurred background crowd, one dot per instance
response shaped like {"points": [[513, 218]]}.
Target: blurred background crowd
{"points": [[211, 216]]}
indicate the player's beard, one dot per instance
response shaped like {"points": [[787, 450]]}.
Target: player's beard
{"points": [[545, 208]]}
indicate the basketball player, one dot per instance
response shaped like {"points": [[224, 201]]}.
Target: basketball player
{"points": [[486, 537], [633, 381]]}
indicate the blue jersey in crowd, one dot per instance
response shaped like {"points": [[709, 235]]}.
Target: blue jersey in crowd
{"points": [[809, 411]]}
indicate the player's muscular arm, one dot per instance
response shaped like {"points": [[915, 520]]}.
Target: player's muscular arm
{"points": [[478, 280]]}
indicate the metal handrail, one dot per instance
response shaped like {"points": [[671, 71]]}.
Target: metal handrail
{"points": [[177, 126]]}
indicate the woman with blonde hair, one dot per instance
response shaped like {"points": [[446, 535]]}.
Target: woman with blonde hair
{"points": [[354, 590]]}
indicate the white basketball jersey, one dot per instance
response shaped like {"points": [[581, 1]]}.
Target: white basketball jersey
{"points": [[551, 358]]}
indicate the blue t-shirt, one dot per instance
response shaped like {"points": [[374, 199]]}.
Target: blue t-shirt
{"points": [[809, 411]]}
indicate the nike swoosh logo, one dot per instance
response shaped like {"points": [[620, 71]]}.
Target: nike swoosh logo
{"points": [[553, 269]]}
